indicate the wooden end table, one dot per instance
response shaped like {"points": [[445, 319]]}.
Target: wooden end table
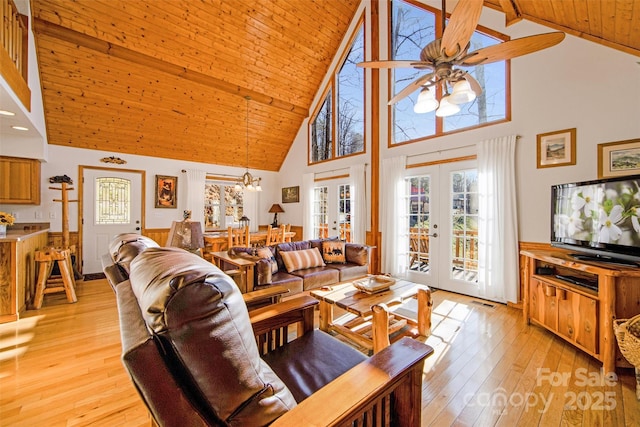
{"points": [[378, 315], [243, 264]]}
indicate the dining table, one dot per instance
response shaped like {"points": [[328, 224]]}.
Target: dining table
{"points": [[217, 241]]}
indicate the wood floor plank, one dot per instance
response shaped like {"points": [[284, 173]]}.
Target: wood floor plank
{"points": [[60, 366]]}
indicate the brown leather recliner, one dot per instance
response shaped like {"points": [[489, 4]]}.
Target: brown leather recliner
{"points": [[198, 358]]}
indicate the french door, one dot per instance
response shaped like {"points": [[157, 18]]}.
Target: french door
{"points": [[112, 204], [442, 226], [332, 211]]}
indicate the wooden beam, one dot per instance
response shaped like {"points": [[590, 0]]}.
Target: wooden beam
{"points": [[511, 11], [62, 33]]}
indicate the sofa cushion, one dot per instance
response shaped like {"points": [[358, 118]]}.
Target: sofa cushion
{"points": [[311, 361], [265, 253], [299, 260], [357, 254], [316, 277], [333, 251], [349, 271], [126, 246], [210, 345]]}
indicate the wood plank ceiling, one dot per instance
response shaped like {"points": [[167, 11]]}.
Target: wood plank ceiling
{"points": [[168, 78]]}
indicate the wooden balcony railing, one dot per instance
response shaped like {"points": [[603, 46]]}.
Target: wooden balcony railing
{"points": [[15, 50], [468, 259]]}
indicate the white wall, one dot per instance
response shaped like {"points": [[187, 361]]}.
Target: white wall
{"points": [[574, 84], [65, 161]]}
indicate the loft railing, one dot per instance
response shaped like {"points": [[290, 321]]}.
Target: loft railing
{"points": [[14, 51], [13, 36]]}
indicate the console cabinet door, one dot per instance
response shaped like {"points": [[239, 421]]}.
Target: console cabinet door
{"points": [[577, 319], [543, 307], [19, 181]]}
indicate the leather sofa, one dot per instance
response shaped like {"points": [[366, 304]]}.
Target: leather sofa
{"points": [[123, 248], [198, 357], [356, 264]]}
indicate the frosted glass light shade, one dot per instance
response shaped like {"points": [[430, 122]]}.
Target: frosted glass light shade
{"points": [[462, 93], [447, 108], [426, 101]]}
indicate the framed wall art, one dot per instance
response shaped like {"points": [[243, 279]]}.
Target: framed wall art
{"points": [[619, 158], [166, 191], [557, 148], [291, 194]]}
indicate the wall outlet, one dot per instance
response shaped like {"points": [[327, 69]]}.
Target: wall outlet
{"points": [[52, 215], [15, 215], [38, 214]]}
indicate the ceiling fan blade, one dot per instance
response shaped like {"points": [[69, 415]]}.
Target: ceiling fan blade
{"points": [[397, 64], [462, 24], [411, 87], [513, 48], [475, 86]]}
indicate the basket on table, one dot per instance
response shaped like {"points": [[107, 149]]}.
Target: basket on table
{"points": [[628, 335]]}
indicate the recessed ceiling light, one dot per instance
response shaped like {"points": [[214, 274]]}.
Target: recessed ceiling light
{"points": [[7, 113], [19, 128]]}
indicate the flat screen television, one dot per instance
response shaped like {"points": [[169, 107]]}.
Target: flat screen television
{"points": [[598, 219]]}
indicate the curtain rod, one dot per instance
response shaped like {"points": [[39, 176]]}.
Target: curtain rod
{"points": [[449, 149], [217, 174], [335, 170]]}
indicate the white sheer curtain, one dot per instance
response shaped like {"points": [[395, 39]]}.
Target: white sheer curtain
{"points": [[307, 205], [497, 223], [358, 203], [394, 217], [195, 194], [250, 202]]}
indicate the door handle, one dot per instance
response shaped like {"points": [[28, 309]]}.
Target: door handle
{"points": [[433, 235]]}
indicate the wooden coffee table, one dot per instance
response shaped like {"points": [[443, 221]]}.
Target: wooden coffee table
{"points": [[377, 316]]}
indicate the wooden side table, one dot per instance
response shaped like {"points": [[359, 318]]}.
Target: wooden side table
{"points": [[245, 266]]}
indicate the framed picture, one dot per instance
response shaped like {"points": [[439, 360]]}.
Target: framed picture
{"points": [[619, 158], [291, 194], [166, 191], [557, 148]]}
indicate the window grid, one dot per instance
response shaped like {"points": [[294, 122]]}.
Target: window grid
{"points": [[344, 212], [113, 201], [231, 204], [320, 217], [464, 225]]}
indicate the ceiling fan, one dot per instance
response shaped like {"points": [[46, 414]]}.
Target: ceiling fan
{"points": [[443, 56]]}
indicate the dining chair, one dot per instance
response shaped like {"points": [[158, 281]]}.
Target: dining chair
{"points": [[275, 235], [287, 229], [238, 237]]}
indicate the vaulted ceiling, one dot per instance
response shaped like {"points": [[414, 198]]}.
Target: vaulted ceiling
{"points": [[170, 78]]}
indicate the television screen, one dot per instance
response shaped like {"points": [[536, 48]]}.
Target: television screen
{"points": [[600, 217]]}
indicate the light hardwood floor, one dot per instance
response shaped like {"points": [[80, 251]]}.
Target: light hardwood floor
{"points": [[60, 366]]}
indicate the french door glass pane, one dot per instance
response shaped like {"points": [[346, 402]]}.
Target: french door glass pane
{"points": [[320, 217], [464, 225], [113, 201], [419, 216], [344, 212]]}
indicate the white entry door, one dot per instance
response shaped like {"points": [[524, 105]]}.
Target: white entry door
{"points": [[112, 204], [443, 227]]}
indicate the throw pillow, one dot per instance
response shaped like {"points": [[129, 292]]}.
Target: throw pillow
{"points": [[266, 253], [298, 260], [333, 251]]}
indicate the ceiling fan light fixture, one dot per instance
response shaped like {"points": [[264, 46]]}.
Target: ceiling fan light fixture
{"points": [[426, 102], [447, 108], [462, 93]]}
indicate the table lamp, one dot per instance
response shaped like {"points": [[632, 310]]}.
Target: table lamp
{"points": [[186, 235], [275, 210]]}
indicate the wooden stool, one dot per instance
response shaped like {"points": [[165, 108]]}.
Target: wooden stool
{"points": [[48, 285]]}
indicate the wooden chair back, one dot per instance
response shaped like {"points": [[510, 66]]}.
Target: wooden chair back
{"points": [[275, 235], [287, 229], [238, 237]]}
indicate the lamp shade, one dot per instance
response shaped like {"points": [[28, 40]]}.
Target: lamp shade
{"points": [[186, 235], [462, 93], [426, 101], [446, 108], [276, 208]]}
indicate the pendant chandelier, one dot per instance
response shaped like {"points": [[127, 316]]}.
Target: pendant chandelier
{"points": [[248, 182]]}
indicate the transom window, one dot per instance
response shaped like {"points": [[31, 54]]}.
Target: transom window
{"points": [[337, 128], [113, 201], [413, 26], [223, 204]]}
